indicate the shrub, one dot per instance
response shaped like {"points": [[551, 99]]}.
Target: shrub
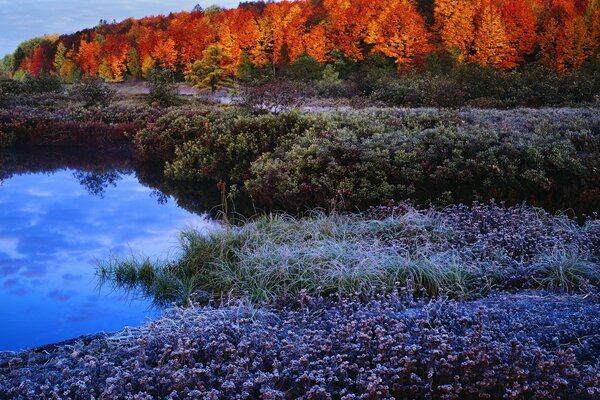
{"points": [[488, 88], [234, 140], [159, 140], [364, 168], [274, 96], [296, 160], [3, 94], [93, 91], [7, 138], [305, 69], [42, 84], [162, 87]]}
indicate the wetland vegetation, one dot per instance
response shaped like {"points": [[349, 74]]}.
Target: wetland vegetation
{"points": [[381, 227]]}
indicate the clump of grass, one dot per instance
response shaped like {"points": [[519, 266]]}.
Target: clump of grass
{"points": [[566, 270], [458, 252]]}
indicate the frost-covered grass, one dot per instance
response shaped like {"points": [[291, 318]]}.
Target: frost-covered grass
{"points": [[457, 251]]}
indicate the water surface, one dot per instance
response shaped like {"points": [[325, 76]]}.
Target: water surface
{"points": [[56, 222]]}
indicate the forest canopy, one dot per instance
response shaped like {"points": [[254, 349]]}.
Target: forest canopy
{"points": [[562, 35]]}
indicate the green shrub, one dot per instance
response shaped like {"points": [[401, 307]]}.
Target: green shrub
{"points": [[162, 87], [42, 84], [305, 69], [159, 140], [293, 160], [488, 88], [7, 138], [365, 169], [233, 141], [93, 91]]}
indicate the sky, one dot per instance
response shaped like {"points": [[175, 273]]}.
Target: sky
{"points": [[24, 19]]}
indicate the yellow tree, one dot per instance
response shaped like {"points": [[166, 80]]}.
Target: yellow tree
{"points": [[237, 33], [492, 46], [294, 28], [114, 54], [213, 71], [454, 21], [262, 53]]}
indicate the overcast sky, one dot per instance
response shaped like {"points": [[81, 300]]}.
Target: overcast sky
{"points": [[24, 19]]}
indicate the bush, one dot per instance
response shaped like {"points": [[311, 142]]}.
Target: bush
{"points": [[234, 140], [93, 91], [488, 88], [42, 84], [3, 94], [7, 139], [366, 168], [305, 69], [159, 140], [296, 160], [162, 87], [273, 96]]}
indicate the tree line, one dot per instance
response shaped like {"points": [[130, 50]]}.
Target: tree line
{"points": [[562, 35]]}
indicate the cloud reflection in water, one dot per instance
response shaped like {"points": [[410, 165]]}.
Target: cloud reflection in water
{"points": [[53, 231]]}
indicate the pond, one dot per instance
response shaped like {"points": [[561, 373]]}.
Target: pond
{"points": [[58, 217]]}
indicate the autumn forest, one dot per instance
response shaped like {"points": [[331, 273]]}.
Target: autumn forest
{"points": [[505, 34]]}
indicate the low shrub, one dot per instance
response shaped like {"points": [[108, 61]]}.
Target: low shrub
{"points": [[273, 96], [233, 141], [363, 168], [523, 346], [305, 69], [93, 91], [42, 84], [7, 138], [163, 89], [159, 140], [488, 88], [73, 124], [361, 158]]}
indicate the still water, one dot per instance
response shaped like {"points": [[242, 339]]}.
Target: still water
{"points": [[56, 223]]}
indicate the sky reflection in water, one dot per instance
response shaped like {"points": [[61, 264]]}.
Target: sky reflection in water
{"points": [[53, 231]]}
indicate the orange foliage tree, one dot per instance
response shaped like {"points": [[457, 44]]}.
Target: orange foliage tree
{"points": [[492, 47], [520, 23], [566, 41], [114, 57], [399, 32], [89, 57], [165, 53]]}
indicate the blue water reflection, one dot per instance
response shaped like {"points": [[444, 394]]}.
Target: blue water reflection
{"points": [[53, 229]]}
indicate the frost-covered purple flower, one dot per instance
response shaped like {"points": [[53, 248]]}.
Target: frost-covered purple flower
{"points": [[523, 346]]}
